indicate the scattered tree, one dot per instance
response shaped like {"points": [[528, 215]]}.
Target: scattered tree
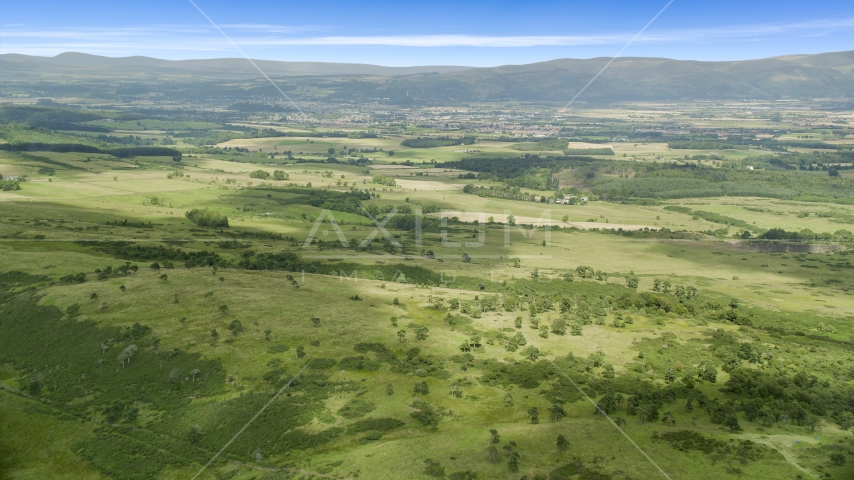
{"points": [[235, 326], [532, 353], [562, 444], [36, 384], [513, 464], [731, 422], [606, 405], [492, 454], [127, 354], [534, 415], [557, 412], [195, 434]]}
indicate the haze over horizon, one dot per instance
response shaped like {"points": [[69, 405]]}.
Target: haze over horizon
{"points": [[471, 34], [67, 55]]}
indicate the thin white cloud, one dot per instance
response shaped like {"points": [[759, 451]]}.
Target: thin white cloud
{"points": [[274, 28], [445, 41], [155, 31], [22, 39]]}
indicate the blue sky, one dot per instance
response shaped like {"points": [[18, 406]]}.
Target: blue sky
{"points": [[438, 32]]}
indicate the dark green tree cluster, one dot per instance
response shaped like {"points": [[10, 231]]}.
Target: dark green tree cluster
{"points": [[206, 217], [9, 185], [383, 180], [432, 142]]}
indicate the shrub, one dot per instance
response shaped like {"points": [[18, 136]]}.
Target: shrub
{"points": [[432, 142], [206, 217], [374, 424], [78, 278], [277, 349], [356, 407], [383, 180], [9, 185], [426, 415], [322, 363]]}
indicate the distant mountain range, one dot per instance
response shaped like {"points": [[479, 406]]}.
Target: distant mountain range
{"points": [[636, 79], [71, 61], [826, 75]]}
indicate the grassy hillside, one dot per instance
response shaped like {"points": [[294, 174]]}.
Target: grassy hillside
{"points": [[487, 340]]}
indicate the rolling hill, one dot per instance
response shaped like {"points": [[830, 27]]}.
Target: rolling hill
{"points": [[826, 75]]}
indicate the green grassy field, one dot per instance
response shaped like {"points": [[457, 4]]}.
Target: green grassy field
{"points": [[135, 343]]}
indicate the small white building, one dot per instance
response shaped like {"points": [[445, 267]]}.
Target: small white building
{"points": [[568, 200]]}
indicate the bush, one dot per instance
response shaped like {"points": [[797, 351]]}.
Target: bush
{"points": [[322, 363], [9, 185], [432, 142], [277, 349], [206, 217], [432, 468], [358, 363], [145, 152], [374, 424], [426, 415], [355, 408], [383, 180], [78, 278], [235, 326]]}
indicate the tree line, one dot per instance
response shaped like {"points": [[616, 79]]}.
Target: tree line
{"points": [[432, 142]]}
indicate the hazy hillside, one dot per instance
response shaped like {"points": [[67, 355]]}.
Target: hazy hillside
{"points": [[72, 61], [628, 79], [806, 76]]}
